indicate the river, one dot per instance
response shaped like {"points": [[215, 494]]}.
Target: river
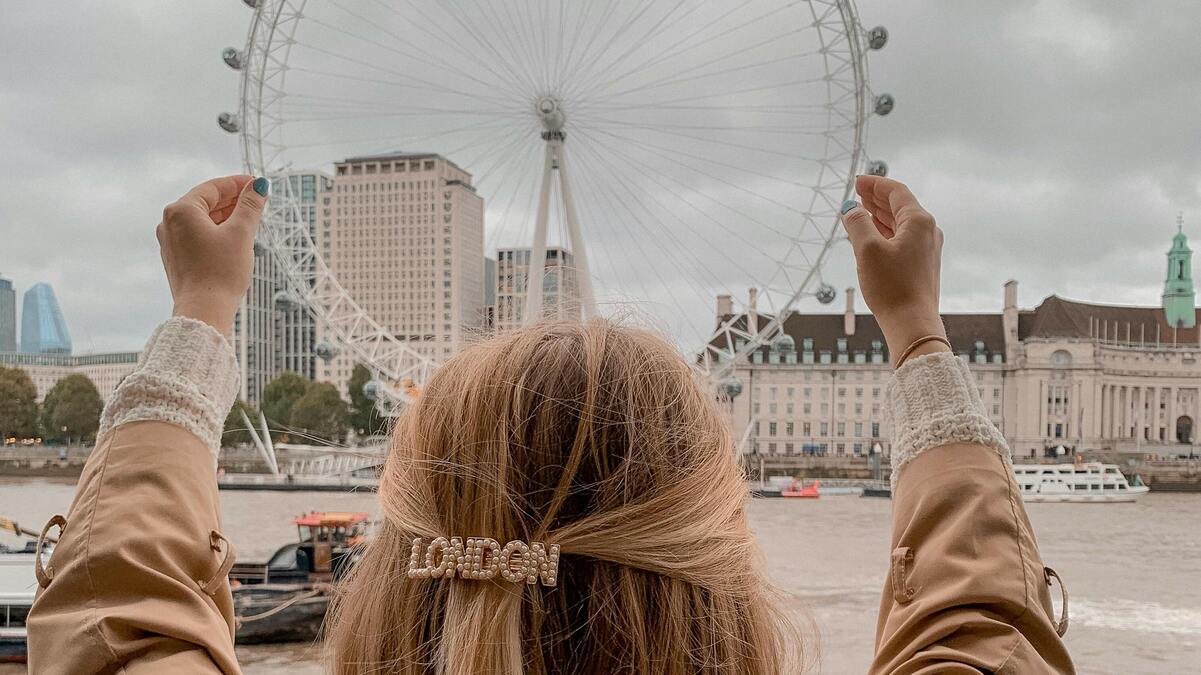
{"points": [[1133, 570]]}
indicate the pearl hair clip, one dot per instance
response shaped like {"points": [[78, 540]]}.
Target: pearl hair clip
{"points": [[483, 558]]}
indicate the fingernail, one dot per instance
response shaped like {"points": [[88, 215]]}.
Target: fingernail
{"points": [[263, 186], [848, 205]]}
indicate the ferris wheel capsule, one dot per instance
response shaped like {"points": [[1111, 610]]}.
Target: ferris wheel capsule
{"points": [[731, 387], [325, 350], [285, 301], [232, 58], [373, 389], [229, 122], [877, 37], [825, 294], [884, 104], [253, 4], [877, 167]]}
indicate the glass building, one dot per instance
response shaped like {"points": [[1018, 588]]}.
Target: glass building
{"points": [[43, 329], [274, 332], [8, 316]]}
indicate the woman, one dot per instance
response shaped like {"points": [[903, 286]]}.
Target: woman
{"points": [[563, 499]]}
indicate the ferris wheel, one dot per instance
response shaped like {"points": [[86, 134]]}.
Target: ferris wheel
{"points": [[680, 150]]}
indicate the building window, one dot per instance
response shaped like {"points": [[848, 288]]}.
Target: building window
{"points": [[771, 429], [875, 429], [788, 428]]}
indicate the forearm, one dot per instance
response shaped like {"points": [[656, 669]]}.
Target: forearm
{"points": [[139, 575], [966, 587]]}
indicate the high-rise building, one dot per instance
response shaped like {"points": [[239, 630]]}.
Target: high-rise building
{"points": [[273, 332], [8, 316], [404, 235], [560, 297], [43, 329]]}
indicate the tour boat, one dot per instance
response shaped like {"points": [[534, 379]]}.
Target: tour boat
{"points": [[1085, 482], [17, 588], [798, 490], [285, 598]]}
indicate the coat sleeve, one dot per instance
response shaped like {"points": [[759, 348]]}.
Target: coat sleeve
{"points": [[967, 590], [139, 580]]}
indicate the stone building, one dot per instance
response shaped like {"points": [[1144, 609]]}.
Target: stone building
{"points": [[1064, 376]]}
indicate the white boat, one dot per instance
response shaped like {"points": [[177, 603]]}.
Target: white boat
{"points": [[1085, 482], [17, 586]]}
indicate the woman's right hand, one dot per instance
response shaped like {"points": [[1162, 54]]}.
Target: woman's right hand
{"points": [[207, 244], [898, 251]]}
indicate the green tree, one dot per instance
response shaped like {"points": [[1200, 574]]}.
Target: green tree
{"points": [[235, 432], [280, 395], [18, 404], [364, 416], [321, 412], [72, 408]]}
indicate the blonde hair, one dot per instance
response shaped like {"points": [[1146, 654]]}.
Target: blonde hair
{"points": [[595, 437]]}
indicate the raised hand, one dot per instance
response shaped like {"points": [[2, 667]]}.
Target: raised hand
{"points": [[898, 251], [206, 240]]}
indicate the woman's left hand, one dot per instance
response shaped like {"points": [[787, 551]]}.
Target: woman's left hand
{"points": [[207, 243]]}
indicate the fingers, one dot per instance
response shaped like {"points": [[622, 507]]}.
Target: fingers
{"points": [[860, 227], [891, 201], [249, 208], [216, 193]]}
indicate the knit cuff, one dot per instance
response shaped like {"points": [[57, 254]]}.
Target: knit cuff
{"points": [[932, 401], [187, 375]]}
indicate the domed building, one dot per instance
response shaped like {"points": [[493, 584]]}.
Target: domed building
{"points": [[1064, 376]]}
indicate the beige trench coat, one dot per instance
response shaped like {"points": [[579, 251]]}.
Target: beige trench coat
{"points": [[138, 581]]}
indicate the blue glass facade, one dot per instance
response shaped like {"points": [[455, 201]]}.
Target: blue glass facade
{"points": [[43, 329]]}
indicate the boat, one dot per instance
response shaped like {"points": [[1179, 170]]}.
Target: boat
{"points": [[285, 599], [1083, 482], [798, 490], [17, 588]]}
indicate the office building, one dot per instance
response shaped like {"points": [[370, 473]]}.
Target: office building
{"points": [[1064, 376], [560, 298], [274, 332], [8, 316], [43, 329], [403, 233]]}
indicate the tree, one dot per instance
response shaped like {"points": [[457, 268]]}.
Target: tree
{"points": [[72, 409], [18, 404], [280, 395], [364, 416], [235, 432], [321, 412]]}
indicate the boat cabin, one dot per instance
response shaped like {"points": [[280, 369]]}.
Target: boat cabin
{"points": [[328, 542]]}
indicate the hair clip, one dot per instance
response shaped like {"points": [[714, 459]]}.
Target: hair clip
{"points": [[483, 558]]}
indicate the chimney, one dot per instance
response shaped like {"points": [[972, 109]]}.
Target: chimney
{"points": [[725, 305], [752, 312], [1009, 320], [848, 319]]}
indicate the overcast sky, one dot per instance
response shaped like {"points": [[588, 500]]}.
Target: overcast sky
{"points": [[1055, 141]]}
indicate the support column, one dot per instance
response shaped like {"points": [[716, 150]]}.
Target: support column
{"points": [[1171, 435], [536, 269], [583, 272]]}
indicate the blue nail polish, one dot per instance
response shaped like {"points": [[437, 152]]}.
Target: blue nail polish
{"points": [[262, 186], [848, 205]]}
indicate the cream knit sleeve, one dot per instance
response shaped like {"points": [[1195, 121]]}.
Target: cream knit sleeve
{"points": [[932, 401], [187, 375]]}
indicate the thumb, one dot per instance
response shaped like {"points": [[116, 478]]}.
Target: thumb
{"points": [[249, 209], [859, 225]]}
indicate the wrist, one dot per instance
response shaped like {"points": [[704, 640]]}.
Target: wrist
{"points": [[219, 315], [901, 335]]}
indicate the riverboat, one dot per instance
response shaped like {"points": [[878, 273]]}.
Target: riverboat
{"points": [[285, 599], [798, 490], [1085, 482], [17, 588]]}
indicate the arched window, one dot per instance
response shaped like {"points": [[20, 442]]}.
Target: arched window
{"points": [[1184, 429], [1061, 358]]}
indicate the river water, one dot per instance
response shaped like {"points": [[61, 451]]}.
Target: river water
{"points": [[1133, 570]]}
